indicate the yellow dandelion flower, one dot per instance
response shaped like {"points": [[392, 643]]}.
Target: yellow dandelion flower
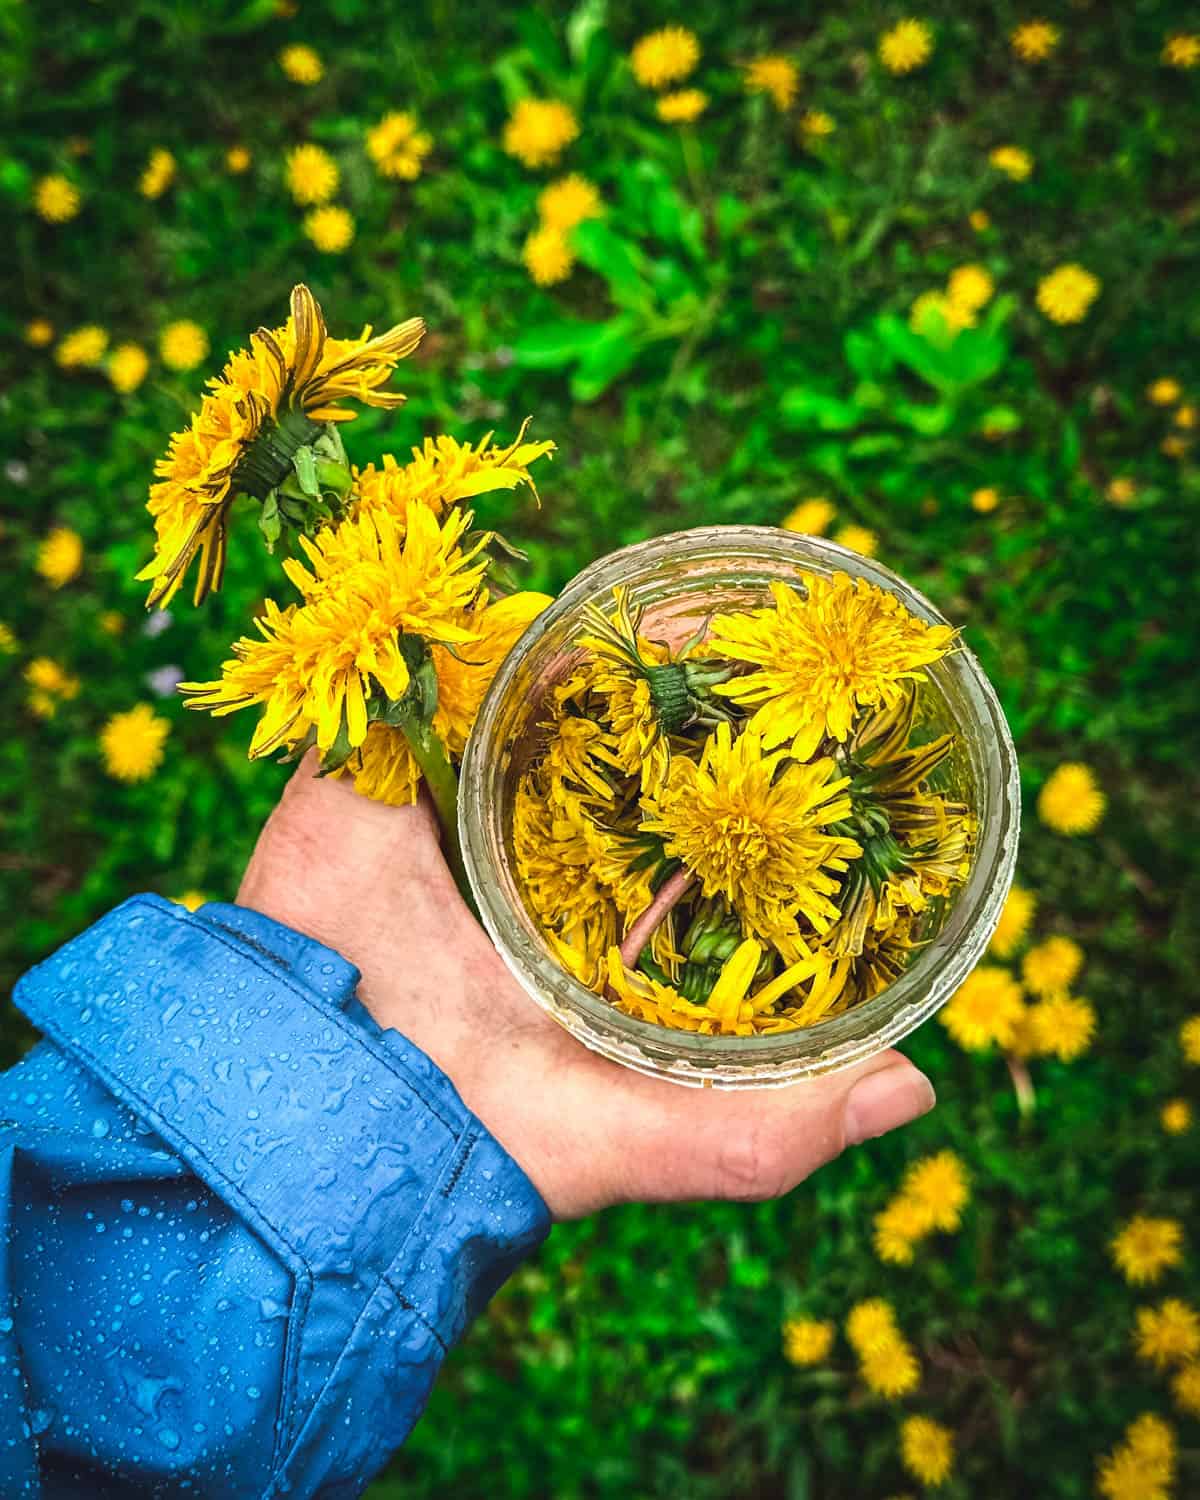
{"points": [[1154, 1439], [1051, 967], [39, 332], [898, 1228], [331, 229], [1145, 1247], [683, 107], [1071, 802], [1062, 1027], [980, 220], [158, 174], [810, 517], [46, 676], [870, 1324], [664, 56], [985, 500], [398, 147], [1182, 50], [970, 287], [112, 622], [1124, 1474], [290, 381], [132, 743], [1121, 491], [312, 174], [1185, 417], [807, 1341], [774, 75], [1013, 161], [1176, 1116], [1189, 1039], [183, 345], [1164, 391], [933, 315], [927, 1450], [822, 656], [302, 64], [1034, 41], [816, 123], [1174, 446], [987, 1007], [539, 131], [938, 1185], [56, 198], [908, 45], [238, 159], [859, 539], [750, 825], [192, 900], [1168, 1334], [82, 347], [548, 256], [8, 641], [1185, 1389], [127, 367], [890, 1369], [60, 556], [569, 201], [1067, 292]]}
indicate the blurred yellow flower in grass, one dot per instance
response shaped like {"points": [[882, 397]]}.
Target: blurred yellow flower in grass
{"points": [[1013, 161], [1185, 417], [1049, 968], [774, 75], [398, 147], [1067, 292], [302, 64], [1071, 801], [112, 622], [938, 1185], [45, 675], [1121, 491], [979, 219], [331, 229], [192, 899], [1034, 41], [926, 1450], [859, 539], [970, 287], [1182, 50], [906, 46], [664, 56], [816, 123], [1015, 917], [238, 159], [132, 743], [548, 256], [56, 198], [158, 174], [82, 347], [127, 367], [1168, 1334], [933, 314], [1164, 391], [1144, 1248], [8, 641], [1176, 1116], [870, 1324], [60, 556], [1153, 1438], [183, 345], [807, 1341], [810, 517], [39, 332], [898, 1228], [1185, 1389], [539, 131], [985, 1009], [683, 107], [985, 500], [1142, 1465], [1174, 446], [312, 174], [886, 1361], [569, 201], [1189, 1039], [1061, 1027]]}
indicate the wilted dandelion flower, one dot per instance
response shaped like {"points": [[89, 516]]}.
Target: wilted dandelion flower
{"points": [[859, 539], [312, 174], [331, 229], [398, 147], [183, 345], [82, 347], [60, 556], [890, 1369], [539, 131], [569, 201], [1185, 1389], [1049, 968], [970, 287], [158, 174], [548, 256], [238, 159], [1182, 50], [807, 1341], [816, 123], [56, 198], [926, 1450], [1145, 1247], [1176, 1116], [301, 64], [1034, 41], [1189, 1039], [664, 56], [1067, 292], [810, 517], [985, 1009], [683, 107], [1062, 1027], [1071, 801], [774, 75], [1013, 161], [1164, 391], [1168, 1334], [132, 743], [906, 46], [39, 332], [127, 367]]}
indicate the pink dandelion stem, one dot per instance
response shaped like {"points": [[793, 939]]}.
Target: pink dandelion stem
{"points": [[644, 927]]}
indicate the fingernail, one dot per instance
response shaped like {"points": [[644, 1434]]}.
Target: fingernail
{"points": [[885, 1099]]}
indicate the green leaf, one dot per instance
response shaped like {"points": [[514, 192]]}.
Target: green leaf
{"points": [[607, 360], [617, 260], [547, 346], [806, 408]]}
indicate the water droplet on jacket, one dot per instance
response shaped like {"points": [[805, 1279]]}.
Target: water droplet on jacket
{"points": [[168, 1437], [269, 1308], [40, 1419], [6, 1325]]}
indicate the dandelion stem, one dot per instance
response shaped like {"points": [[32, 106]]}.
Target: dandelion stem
{"points": [[1022, 1085], [430, 754], [669, 894]]}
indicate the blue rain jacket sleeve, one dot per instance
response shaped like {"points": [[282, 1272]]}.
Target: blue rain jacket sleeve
{"points": [[242, 1224]]}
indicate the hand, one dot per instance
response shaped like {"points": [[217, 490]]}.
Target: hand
{"points": [[369, 881]]}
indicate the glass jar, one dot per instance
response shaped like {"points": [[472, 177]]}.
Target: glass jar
{"points": [[679, 580]]}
